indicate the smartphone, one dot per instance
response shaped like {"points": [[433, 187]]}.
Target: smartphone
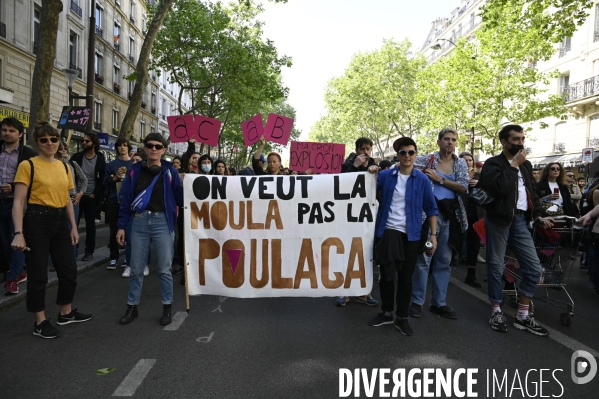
{"points": [[556, 191]]}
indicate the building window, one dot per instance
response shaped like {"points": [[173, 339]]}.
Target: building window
{"points": [[115, 121], [99, 21], [73, 47], [98, 67], [565, 46], [36, 29], [596, 35], [117, 35], [132, 12], [142, 130], [98, 116], [131, 49], [564, 84]]}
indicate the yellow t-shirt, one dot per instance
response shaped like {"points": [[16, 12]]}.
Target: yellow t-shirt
{"points": [[51, 182]]}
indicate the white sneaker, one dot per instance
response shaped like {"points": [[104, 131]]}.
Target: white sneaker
{"points": [[127, 272], [480, 259], [146, 271], [111, 265]]}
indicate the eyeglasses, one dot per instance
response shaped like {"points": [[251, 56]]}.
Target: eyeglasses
{"points": [[44, 140], [157, 146], [555, 169], [87, 141], [570, 175], [404, 152]]}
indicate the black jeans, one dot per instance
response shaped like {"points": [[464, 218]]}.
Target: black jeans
{"points": [[405, 271], [112, 216], [472, 238], [88, 206], [47, 233]]}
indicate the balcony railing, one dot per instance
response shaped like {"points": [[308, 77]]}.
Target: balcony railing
{"points": [[117, 47], [76, 9], [73, 66], [153, 110], [98, 126], [462, 10], [144, 103], [131, 58], [559, 147], [565, 49], [594, 142], [154, 78], [117, 87], [2, 30], [582, 89], [132, 18], [35, 47], [99, 79], [596, 35], [99, 31]]}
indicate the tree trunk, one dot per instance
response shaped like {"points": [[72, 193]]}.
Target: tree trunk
{"points": [[142, 69], [44, 65]]}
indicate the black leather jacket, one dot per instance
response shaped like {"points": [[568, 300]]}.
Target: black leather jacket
{"points": [[500, 179]]}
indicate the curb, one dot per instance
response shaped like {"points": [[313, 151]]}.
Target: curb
{"points": [[10, 301]]}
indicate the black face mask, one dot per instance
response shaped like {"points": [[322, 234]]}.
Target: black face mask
{"points": [[514, 148]]}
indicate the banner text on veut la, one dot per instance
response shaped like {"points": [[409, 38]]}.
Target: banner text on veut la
{"points": [[269, 236]]}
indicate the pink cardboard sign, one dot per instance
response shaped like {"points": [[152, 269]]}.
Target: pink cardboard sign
{"points": [[252, 129], [278, 129], [318, 157], [203, 129]]}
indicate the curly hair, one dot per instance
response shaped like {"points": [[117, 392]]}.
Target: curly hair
{"points": [[546, 169]]}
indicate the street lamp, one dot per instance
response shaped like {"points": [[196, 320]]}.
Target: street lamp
{"points": [[437, 46]]}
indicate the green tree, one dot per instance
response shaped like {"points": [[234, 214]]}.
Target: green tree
{"points": [[44, 64], [375, 97]]}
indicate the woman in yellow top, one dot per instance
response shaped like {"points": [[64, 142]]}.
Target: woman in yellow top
{"points": [[43, 231]]}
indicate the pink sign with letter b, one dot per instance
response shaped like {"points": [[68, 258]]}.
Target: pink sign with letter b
{"points": [[278, 129]]}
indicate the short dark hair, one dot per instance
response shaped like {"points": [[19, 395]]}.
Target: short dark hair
{"points": [[403, 142], [215, 164], [582, 178], [446, 130], [205, 156], [14, 122], [504, 133], [363, 140], [155, 137], [95, 140], [122, 140], [536, 169], [384, 164]]}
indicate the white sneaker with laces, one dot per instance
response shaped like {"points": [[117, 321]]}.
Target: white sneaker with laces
{"points": [[146, 271], [127, 272]]}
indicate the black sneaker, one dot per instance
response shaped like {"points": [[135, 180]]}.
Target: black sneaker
{"points": [[415, 310], [403, 326], [530, 325], [73, 317], [472, 281], [444, 311], [130, 314], [177, 269], [381, 319], [498, 322], [87, 256], [45, 330], [111, 265]]}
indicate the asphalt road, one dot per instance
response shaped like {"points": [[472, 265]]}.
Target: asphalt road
{"points": [[279, 347]]}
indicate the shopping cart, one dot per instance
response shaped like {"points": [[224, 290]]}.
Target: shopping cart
{"points": [[556, 249]]}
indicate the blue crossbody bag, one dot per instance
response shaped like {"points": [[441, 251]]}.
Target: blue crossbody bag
{"points": [[141, 201]]}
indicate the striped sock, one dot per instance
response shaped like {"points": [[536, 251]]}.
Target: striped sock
{"points": [[522, 311]]}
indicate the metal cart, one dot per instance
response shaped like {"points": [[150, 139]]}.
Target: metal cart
{"points": [[556, 248]]}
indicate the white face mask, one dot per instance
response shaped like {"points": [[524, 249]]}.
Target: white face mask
{"points": [[206, 168]]}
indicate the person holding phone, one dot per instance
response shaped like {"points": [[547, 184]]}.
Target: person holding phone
{"points": [[551, 189]]}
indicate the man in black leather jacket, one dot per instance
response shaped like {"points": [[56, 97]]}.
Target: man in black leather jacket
{"points": [[508, 178]]}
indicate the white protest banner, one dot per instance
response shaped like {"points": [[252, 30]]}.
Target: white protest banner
{"points": [[273, 236]]}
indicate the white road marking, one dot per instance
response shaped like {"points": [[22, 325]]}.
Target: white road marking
{"points": [[178, 319], [553, 334], [219, 309], [134, 378], [207, 339]]}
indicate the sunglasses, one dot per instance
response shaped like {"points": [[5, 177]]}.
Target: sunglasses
{"points": [[554, 169], [44, 140], [157, 146], [570, 175], [404, 152], [87, 141]]}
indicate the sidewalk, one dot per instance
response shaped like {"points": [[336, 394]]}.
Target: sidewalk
{"points": [[101, 256]]}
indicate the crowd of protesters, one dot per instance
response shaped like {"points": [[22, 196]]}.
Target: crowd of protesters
{"points": [[425, 219]]}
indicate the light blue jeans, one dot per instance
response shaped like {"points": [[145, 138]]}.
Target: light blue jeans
{"points": [[150, 229], [519, 239], [441, 268]]}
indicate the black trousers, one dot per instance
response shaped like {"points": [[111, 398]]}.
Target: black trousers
{"points": [[112, 216], [87, 206], [180, 239], [47, 233], [405, 271], [472, 238]]}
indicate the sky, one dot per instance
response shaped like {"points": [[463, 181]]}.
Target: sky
{"points": [[322, 35]]}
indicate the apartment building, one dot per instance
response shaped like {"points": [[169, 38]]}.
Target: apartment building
{"points": [[120, 28], [576, 59]]}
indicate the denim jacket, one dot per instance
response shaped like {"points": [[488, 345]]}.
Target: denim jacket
{"points": [[460, 168], [173, 194]]}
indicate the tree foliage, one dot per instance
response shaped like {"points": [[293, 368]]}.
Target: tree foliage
{"points": [[218, 55], [375, 97]]}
